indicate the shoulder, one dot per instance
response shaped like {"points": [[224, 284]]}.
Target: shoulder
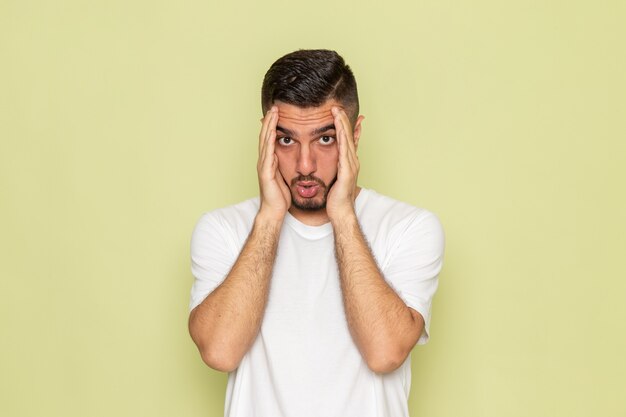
{"points": [[381, 215], [380, 208], [240, 211], [234, 219]]}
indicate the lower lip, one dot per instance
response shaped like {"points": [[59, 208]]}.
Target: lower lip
{"points": [[307, 192]]}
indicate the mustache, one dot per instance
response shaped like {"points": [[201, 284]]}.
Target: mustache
{"points": [[308, 178]]}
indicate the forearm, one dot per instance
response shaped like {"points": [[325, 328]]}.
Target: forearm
{"points": [[226, 323], [382, 326]]}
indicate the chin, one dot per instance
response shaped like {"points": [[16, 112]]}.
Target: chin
{"points": [[308, 204]]}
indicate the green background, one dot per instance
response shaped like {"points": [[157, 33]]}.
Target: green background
{"points": [[122, 121]]}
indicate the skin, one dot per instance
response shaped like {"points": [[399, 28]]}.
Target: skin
{"points": [[307, 146], [307, 158]]}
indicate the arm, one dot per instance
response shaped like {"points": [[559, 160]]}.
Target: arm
{"points": [[383, 327], [226, 323]]}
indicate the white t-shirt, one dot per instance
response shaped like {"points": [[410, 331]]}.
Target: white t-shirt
{"points": [[304, 363]]}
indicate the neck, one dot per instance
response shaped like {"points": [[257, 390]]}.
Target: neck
{"points": [[310, 217]]}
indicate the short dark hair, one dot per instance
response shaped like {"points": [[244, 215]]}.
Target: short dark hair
{"points": [[308, 78]]}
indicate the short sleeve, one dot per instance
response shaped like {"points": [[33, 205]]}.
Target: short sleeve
{"points": [[211, 257], [414, 264]]}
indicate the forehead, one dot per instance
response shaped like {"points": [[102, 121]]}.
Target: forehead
{"points": [[294, 117]]}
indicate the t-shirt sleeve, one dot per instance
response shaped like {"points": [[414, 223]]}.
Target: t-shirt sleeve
{"points": [[211, 257], [414, 265]]}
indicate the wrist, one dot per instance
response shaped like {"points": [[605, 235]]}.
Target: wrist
{"points": [[344, 218], [267, 218]]}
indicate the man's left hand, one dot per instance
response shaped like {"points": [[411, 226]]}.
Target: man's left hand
{"points": [[341, 197]]}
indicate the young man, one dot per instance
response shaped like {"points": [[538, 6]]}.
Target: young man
{"points": [[312, 295]]}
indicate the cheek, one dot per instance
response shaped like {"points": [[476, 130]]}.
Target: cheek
{"points": [[332, 155], [285, 162], [329, 159]]}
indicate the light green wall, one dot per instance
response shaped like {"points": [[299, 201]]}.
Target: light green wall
{"points": [[122, 121]]}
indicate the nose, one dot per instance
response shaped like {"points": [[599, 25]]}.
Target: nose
{"points": [[306, 161]]}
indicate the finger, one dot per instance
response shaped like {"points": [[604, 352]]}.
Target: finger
{"points": [[345, 121], [348, 161], [270, 138], [279, 177], [268, 156], [349, 140], [344, 139], [341, 139], [265, 127], [270, 134], [270, 145], [265, 121], [282, 182]]}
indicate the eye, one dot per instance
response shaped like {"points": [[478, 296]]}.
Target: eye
{"points": [[285, 141], [327, 140]]}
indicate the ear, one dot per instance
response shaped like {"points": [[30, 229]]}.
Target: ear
{"points": [[356, 133]]}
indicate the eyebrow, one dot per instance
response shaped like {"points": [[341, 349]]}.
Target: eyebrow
{"points": [[285, 131], [315, 132], [323, 129]]}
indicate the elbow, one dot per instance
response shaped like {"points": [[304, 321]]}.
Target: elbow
{"points": [[385, 361], [391, 353], [218, 356], [219, 360]]}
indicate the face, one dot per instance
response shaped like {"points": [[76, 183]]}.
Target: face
{"points": [[307, 152]]}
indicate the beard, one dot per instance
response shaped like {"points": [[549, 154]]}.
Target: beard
{"points": [[310, 204]]}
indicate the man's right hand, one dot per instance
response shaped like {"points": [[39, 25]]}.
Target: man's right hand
{"points": [[275, 194]]}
